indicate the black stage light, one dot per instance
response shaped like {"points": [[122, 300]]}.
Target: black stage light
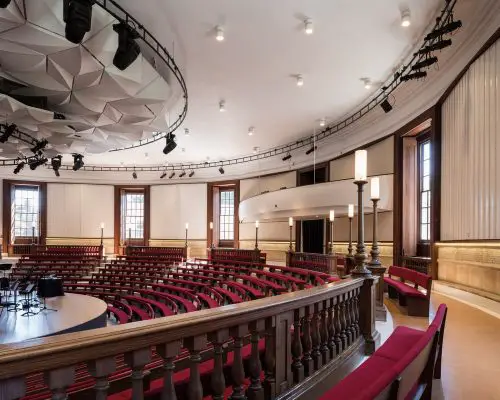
{"points": [[435, 46], [40, 145], [221, 170], [56, 164], [171, 175], [182, 174], [312, 149], [171, 145], [414, 75], [445, 29], [4, 3], [19, 167], [163, 175], [134, 175], [77, 162], [9, 130], [128, 49], [386, 106], [425, 63], [287, 157], [78, 18], [34, 164], [191, 174]]}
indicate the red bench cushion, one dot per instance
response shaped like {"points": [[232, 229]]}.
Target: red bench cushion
{"points": [[404, 288], [399, 342]]}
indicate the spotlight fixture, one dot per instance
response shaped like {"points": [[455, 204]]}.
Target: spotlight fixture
{"points": [[171, 145], [191, 174], [222, 106], [163, 175], [308, 27], [56, 164], [134, 175], [251, 131], [128, 50], [4, 3], [414, 75], [256, 149], [219, 33], [9, 131], [287, 157], [182, 174], [300, 80], [19, 167], [77, 15], [322, 122], [77, 162], [221, 170], [40, 145], [34, 164], [386, 106], [171, 175], [435, 46], [424, 63], [444, 30], [311, 150], [405, 18], [186, 132]]}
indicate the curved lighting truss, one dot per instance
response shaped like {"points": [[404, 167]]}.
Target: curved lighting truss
{"points": [[19, 135], [161, 51], [327, 132]]}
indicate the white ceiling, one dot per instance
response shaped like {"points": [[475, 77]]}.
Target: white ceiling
{"points": [[252, 68]]}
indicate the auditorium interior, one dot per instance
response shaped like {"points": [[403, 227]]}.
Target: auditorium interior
{"points": [[219, 199]]}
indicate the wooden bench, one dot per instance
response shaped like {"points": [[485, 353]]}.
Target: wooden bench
{"points": [[402, 368], [410, 296]]}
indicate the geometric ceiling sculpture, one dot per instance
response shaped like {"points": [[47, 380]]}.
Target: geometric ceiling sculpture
{"points": [[97, 106]]}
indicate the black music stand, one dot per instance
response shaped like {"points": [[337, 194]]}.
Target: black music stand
{"points": [[28, 293], [14, 306]]}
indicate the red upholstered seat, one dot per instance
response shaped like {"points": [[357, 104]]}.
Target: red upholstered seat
{"points": [[404, 288], [368, 380], [400, 341]]}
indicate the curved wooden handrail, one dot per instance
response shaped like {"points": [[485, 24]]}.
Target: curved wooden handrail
{"points": [[58, 351]]}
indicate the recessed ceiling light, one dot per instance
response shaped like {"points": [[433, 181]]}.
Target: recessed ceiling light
{"points": [[146, 156], [368, 84], [183, 149], [251, 131], [219, 33], [256, 150], [322, 122], [222, 106], [300, 80], [186, 131], [308, 27], [405, 18]]}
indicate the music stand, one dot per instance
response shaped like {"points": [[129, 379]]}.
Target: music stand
{"points": [[44, 306], [14, 307], [28, 292]]}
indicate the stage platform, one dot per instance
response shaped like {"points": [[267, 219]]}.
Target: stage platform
{"points": [[75, 312]]}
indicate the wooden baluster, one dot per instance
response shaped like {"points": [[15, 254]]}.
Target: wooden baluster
{"points": [[100, 370], [352, 304], [238, 370], [356, 311], [307, 360], [168, 352], [218, 380], [270, 360], [347, 316], [338, 340], [325, 352], [13, 388], [137, 360], [331, 330], [316, 339], [195, 345], [255, 390], [297, 367], [58, 381], [343, 336]]}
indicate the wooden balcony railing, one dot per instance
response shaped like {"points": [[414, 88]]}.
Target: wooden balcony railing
{"points": [[308, 333], [148, 251], [325, 263], [419, 264], [222, 254]]}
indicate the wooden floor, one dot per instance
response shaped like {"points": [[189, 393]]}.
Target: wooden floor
{"points": [[471, 352], [74, 311]]}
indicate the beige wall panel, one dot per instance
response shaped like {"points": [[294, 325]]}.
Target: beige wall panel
{"points": [[268, 230], [254, 186], [470, 166], [380, 161], [385, 227], [174, 205]]}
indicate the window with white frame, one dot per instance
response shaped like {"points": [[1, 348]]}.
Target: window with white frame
{"points": [[26, 211], [132, 215], [425, 190], [226, 215]]}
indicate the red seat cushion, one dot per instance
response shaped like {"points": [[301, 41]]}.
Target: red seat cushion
{"points": [[404, 288], [366, 382], [399, 342]]}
